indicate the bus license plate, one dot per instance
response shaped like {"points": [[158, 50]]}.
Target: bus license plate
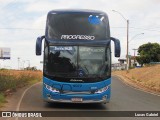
{"points": [[77, 99]]}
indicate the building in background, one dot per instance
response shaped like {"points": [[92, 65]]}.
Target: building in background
{"points": [[120, 66]]}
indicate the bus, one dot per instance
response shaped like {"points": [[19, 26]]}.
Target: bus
{"points": [[77, 56]]}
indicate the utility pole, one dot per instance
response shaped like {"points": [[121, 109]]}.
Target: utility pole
{"points": [[131, 40], [28, 63], [23, 64], [134, 56], [127, 57], [127, 36], [18, 62]]}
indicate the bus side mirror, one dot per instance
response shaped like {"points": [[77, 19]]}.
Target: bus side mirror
{"points": [[39, 45], [117, 47]]}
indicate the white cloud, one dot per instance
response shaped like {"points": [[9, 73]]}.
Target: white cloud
{"points": [[40, 22], [143, 14]]}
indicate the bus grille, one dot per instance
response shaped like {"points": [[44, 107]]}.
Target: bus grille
{"points": [[78, 92]]}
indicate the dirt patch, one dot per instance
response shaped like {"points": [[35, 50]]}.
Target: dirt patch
{"points": [[147, 78]]}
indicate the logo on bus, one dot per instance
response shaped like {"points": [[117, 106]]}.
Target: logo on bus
{"points": [[76, 80], [94, 20], [79, 37]]}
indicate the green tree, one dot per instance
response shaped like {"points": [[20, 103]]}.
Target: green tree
{"points": [[149, 52]]}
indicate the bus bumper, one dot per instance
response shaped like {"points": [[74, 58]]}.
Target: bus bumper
{"points": [[104, 100], [66, 98]]}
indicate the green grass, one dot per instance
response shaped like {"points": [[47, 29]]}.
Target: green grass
{"points": [[7, 82], [2, 99]]}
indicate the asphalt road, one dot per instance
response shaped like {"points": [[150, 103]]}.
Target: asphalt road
{"points": [[124, 98]]}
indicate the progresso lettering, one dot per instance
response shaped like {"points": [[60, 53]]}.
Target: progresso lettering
{"points": [[84, 37]]}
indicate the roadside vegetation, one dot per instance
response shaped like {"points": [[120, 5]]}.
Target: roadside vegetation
{"points": [[10, 80], [147, 77], [148, 53]]}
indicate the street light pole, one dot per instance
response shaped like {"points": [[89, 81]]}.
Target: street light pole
{"points": [[127, 36], [135, 36], [134, 49], [18, 62], [127, 43]]}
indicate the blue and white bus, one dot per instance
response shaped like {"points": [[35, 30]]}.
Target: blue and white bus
{"points": [[77, 56]]}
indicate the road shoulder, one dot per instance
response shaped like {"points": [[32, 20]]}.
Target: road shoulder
{"points": [[135, 85], [14, 99]]}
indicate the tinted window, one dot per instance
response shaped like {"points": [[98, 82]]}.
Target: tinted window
{"points": [[84, 25], [92, 59], [77, 61], [62, 59]]}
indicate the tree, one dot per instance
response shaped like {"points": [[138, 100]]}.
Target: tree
{"points": [[31, 68], [149, 52]]}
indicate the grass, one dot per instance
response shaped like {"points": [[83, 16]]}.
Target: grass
{"points": [[10, 80], [2, 99], [148, 77], [133, 78]]}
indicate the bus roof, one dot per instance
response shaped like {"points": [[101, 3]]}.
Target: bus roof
{"points": [[76, 11]]}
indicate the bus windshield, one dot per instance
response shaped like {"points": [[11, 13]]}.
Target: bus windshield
{"points": [[78, 61], [91, 59], [62, 60], [77, 26]]}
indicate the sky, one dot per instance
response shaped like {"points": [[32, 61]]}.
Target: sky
{"points": [[22, 21]]}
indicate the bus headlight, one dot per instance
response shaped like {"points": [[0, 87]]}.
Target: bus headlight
{"points": [[52, 89], [102, 90]]}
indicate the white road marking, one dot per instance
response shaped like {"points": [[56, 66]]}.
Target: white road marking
{"points": [[19, 103]]}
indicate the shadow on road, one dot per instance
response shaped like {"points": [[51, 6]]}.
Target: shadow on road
{"points": [[75, 106]]}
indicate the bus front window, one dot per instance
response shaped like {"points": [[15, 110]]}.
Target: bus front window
{"points": [[79, 62], [62, 60], [92, 60]]}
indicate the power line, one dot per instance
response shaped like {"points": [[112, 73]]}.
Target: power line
{"points": [[43, 29], [148, 29], [22, 29]]}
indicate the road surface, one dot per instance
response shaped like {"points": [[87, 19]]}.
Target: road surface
{"points": [[124, 98]]}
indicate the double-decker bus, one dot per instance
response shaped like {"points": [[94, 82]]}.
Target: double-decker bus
{"points": [[77, 56]]}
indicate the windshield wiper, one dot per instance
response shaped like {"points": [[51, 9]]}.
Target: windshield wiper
{"points": [[86, 69]]}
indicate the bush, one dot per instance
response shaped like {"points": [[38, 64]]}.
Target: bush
{"points": [[14, 79], [2, 99]]}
